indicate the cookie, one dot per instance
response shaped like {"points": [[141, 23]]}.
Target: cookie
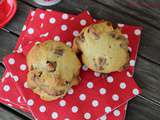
{"points": [[53, 69], [104, 48]]}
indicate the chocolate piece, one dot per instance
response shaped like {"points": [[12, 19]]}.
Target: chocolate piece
{"points": [[31, 67], [109, 23], [112, 34], [51, 66], [101, 68], [39, 74], [120, 37], [102, 61], [93, 32], [82, 38], [114, 26], [59, 51]]}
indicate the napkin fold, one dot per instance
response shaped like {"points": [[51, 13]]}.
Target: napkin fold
{"points": [[103, 98]]}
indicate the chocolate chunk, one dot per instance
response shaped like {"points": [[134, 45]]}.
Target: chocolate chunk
{"points": [[58, 93], [82, 38], [115, 26], [113, 35], [39, 74], [51, 66], [33, 77], [59, 51], [129, 53], [101, 68], [31, 67], [67, 83], [93, 32], [102, 61], [109, 23], [120, 37]]}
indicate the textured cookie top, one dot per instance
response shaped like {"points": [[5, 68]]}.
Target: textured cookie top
{"points": [[104, 49], [53, 68]]}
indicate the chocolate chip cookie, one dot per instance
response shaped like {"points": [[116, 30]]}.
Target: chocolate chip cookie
{"points": [[104, 48], [53, 69]]}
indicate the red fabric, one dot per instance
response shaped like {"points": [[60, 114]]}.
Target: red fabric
{"points": [[95, 95]]}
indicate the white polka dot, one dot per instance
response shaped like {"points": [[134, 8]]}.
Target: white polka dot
{"points": [[62, 103], [90, 84], [130, 49], [87, 116], [65, 16], [6, 88], [75, 33], [56, 38], [84, 67], [69, 44], [66, 119], [23, 67], [116, 113], [52, 20], [70, 91], [97, 74], [115, 97], [30, 102], [129, 74], [83, 22], [74, 109], [104, 117], [125, 35], [82, 97], [32, 13], [122, 85], [37, 43], [15, 78], [42, 108], [25, 85], [102, 91], [110, 79], [30, 31], [95, 103], [24, 28], [94, 20], [42, 15], [54, 115], [132, 62], [64, 27], [108, 109], [135, 91], [7, 75], [137, 32], [11, 61], [120, 25]]}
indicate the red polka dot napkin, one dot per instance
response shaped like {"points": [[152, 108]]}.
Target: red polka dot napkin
{"points": [[96, 97]]}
